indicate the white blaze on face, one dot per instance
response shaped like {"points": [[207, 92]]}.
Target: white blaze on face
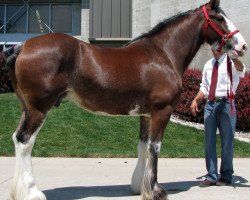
{"points": [[240, 39]]}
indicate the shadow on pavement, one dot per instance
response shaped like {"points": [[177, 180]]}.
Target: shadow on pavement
{"points": [[239, 181], [79, 192]]}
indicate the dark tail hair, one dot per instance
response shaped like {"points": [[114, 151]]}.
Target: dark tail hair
{"points": [[11, 54], [7, 61]]}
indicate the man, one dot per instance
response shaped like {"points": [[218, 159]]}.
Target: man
{"points": [[218, 86]]}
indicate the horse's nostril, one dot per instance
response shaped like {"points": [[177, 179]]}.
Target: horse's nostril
{"points": [[244, 48]]}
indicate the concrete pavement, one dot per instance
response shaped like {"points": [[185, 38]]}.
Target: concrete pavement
{"points": [[103, 179]]}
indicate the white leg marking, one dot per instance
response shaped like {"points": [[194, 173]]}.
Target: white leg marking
{"points": [[148, 185], [135, 111], [24, 186], [138, 174]]}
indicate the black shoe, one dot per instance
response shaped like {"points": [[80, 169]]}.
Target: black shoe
{"points": [[223, 182], [206, 183]]}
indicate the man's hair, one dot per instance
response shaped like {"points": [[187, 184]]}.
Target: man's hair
{"points": [[215, 46]]}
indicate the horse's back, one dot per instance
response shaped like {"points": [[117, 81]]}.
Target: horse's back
{"points": [[55, 44]]}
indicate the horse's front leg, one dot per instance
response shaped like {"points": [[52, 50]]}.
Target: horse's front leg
{"points": [[151, 190], [138, 174]]}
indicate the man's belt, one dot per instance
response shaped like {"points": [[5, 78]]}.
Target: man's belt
{"points": [[220, 99]]}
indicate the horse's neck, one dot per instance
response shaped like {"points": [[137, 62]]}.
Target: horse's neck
{"points": [[181, 42]]}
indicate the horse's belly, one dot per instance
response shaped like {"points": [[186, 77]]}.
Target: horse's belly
{"points": [[105, 105]]}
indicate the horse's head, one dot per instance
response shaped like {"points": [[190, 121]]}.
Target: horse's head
{"points": [[220, 29]]}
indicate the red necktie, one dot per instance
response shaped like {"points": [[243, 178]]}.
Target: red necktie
{"points": [[211, 95]]}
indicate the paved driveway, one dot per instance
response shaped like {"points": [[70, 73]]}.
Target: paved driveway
{"points": [[103, 179]]}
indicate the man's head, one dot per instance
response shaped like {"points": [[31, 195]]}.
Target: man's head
{"points": [[215, 49]]}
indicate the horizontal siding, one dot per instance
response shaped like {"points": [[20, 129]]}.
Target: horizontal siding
{"points": [[110, 18], [116, 19]]}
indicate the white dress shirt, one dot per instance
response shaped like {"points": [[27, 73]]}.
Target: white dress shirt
{"points": [[223, 83]]}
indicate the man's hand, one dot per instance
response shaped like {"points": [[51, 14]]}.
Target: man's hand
{"points": [[194, 107]]}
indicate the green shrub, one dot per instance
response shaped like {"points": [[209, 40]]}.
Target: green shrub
{"points": [[191, 84]]}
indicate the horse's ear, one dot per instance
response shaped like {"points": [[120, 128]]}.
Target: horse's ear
{"points": [[214, 4]]}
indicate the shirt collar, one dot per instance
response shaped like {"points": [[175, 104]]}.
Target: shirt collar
{"points": [[222, 58]]}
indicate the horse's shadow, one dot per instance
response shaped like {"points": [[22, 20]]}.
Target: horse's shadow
{"points": [[80, 192]]}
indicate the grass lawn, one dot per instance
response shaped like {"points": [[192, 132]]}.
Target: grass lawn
{"points": [[73, 132]]}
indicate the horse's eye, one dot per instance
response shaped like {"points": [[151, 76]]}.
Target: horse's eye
{"points": [[220, 19]]}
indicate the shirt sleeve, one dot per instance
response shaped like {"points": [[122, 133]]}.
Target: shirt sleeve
{"points": [[203, 85]]}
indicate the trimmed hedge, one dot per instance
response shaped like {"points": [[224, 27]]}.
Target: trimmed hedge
{"points": [[191, 84], [242, 99], [5, 82]]}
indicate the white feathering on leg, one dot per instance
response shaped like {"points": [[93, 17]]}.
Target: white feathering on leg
{"points": [[138, 174], [24, 186]]}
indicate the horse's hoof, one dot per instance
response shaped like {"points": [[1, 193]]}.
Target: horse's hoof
{"points": [[35, 194], [135, 186], [158, 193], [135, 190]]}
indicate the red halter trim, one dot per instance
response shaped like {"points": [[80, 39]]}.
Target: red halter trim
{"points": [[209, 22]]}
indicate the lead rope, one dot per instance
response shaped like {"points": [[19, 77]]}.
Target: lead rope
{"points": [[230, 93]]}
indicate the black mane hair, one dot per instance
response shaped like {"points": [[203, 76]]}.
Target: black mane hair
{"points": [[219, 10], [161, 25]]}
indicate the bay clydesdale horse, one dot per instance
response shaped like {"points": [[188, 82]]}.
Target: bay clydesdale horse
{"points": [[141, 78]]}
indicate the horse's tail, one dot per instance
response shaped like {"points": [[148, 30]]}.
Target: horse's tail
{"points": [[7, 61], [8, 57]]}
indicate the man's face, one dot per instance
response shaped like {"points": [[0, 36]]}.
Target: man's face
{"points": [[216, 54]]}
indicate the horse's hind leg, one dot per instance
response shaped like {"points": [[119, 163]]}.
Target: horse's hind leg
{"points": [[24, 187]]}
